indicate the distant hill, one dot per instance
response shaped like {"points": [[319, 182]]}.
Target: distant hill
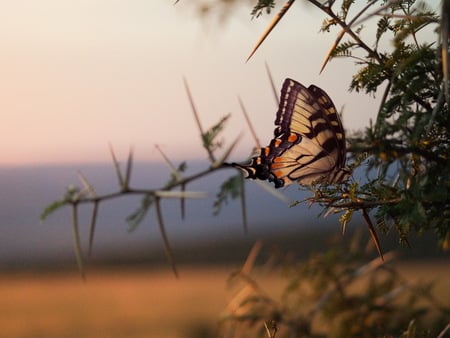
{"points": [[26, 243]]}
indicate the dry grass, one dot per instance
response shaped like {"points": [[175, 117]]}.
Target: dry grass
{"points": [[111, 304], [134, 303]]}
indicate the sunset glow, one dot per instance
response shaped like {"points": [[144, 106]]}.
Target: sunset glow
{"points": [[76, 76]]}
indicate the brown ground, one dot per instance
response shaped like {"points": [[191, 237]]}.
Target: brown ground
{"points": [[134, 303]]}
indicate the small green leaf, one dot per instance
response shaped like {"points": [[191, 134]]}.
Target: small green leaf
{"points": [[51, 208], [71, 195], [136, 217], [231, 188], [209, 137]]}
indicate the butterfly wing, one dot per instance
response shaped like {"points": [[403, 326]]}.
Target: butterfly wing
{"points": [[309, 143], [334, 122]]}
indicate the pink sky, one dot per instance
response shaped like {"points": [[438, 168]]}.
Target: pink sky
{"points": [[77, 75]]}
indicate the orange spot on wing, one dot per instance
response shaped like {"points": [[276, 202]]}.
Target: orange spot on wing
{"points": [[293, 138], [278, 160], [278, 173]]}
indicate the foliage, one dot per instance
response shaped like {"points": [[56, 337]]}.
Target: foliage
{"points": [[332, 294], [407, 148], [261, 6]]}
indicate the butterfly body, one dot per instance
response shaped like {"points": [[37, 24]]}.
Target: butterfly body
{"points": [[309, 142]]}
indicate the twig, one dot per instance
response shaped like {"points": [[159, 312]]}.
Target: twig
{"points": [[162, 229], [251, 258], [272, 84], [372, 232], [243, 204], [177, 176], [249, 124], [271, 26], [117, 167], [271, 328], [197, 119], [341, 34], [92, 226], [128, 169], [444, 331], [76, 240], [347, 29]]}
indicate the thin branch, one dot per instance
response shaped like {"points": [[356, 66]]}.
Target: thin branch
{"points": [[249, 124], [272, 84], [162, 229], [347, 29], [179, 194], [92, 226], [356, 205], [86, 185], [271, 26], [128, 169], [251, 258], [91, 191], [76, 240], [163, 191], [342, 33], [197, 120], [444, 331], [243, 204], [177, 176], [378, 12], [117, 167], [183, 202], [271, 328], [401, 151], [372, 233], [172, 168], [382, 103]]}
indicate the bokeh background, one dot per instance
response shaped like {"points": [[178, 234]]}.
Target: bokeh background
{"points": [[78, 76]]}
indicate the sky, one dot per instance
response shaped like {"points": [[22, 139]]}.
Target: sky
{"points": [[76, 76]]}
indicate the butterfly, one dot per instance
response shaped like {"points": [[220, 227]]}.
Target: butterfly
{"points": [[309, 142]]}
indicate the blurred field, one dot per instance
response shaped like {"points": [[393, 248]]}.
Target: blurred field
{"points": [[137, 303]]}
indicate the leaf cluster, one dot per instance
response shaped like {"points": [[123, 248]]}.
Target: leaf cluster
{"points": [[410, 137], [262, 6]]}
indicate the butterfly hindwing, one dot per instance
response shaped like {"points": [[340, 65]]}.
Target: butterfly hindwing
{"points": [[306, 163], [334, 120]]}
